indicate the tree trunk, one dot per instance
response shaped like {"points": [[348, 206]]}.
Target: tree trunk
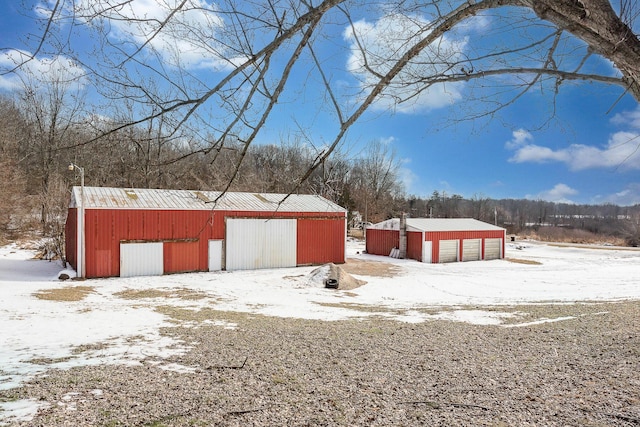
{"points": [[595, 22]]}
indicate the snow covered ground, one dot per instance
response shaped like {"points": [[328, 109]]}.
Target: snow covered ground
{"points": [[105, 327]]}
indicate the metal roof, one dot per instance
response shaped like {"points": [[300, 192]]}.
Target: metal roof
{"points": [[437, 224], [143, 198]]}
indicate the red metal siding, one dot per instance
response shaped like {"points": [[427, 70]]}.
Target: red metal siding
{"points": [[71, 237], [414, 245], [107, 228], [380, 242], [435, 237], [320, 241], [181, 257], [151, 226]]}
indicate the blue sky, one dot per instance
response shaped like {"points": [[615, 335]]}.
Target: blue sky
{"points": [[583, 151]]}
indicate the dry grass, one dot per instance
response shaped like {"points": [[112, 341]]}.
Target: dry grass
{"points": [[593, 246], [48, 360], [370, 268], [571, 235], [356, 234], [178, 314], [523, 261], [74, 293], [182, 293], [363, 308]]}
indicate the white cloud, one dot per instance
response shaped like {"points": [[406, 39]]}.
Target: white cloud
{"points": [[388, 140], [409, 179], [385, 41], [520, 138], [628, 118], [188, 38], [477, 23], [559, 194], [39, 71], [626, 197], [622, 150], [538, 154]]}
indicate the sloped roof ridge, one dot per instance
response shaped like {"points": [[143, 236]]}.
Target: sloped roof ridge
{"points": [[146, 198]]}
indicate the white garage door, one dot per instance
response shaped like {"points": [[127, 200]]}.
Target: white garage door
{"points": [[448, 251], [492, 248], [471, 249], [260, 243], [141, 259]]}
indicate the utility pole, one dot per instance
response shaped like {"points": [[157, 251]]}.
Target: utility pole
{"points": [[81, 222]]}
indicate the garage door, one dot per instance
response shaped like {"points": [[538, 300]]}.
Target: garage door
{"points": [[448, 251], [492, 248], [471, 249], [260, 243], [141, 259]]}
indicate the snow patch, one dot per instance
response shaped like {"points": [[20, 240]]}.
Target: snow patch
{"points": [[105, 327]]}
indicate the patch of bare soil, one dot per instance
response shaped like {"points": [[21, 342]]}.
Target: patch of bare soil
{"points": [[370, 268], [74, 293]]}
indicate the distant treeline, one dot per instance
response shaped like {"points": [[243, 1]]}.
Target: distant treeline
{"points": [[577, 222], [40, 137]]}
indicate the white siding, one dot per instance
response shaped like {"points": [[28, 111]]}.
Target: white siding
{"points": [[141, 259], [260, 243], [448, 251], [426, 250], [492, 248], [471, 249], [215, 255]]}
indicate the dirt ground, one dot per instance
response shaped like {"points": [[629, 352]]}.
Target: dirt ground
{"points": [[582, 371]]}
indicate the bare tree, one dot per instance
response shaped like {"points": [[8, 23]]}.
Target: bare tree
{"points": [[152, 57], [12, 191], [481, 208], [50, 102], [374, 181]]}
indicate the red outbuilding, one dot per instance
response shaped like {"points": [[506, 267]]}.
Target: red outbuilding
{"points": [[436, 240], [133, 232]]}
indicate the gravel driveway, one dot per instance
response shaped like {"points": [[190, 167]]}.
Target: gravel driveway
{"points": [[271, 371]]}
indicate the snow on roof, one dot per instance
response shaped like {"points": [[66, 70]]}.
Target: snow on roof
{"points": [[143, 198], [437, 224]]}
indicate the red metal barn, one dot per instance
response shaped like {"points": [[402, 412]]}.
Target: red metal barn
{"points": [[132, 232], [438, 240]]}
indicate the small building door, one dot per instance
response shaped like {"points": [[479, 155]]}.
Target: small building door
{"points": [[426, 251], [215, 255]]}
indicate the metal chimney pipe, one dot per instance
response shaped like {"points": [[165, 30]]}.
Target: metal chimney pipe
{"points": [[403, 236]]}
